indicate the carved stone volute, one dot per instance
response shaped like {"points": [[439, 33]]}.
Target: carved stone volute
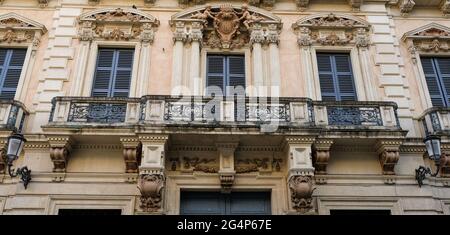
{"points": [[151, 187], [389, 154], [60, 147]]}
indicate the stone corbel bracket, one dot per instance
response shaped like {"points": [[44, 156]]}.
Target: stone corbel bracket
{"points": [[445, 8], [226, 164], [389, 153], [432, 38], [132, 153], [118, 24], [60, 147], [406, 6], [321, 157], [332, 29]]}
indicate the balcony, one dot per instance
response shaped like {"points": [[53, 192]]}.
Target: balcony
{"points": [[12, 115], [356, 115], [266, 114], [436, 121]]}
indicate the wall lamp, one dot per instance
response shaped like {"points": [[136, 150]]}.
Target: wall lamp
{"points": [[433, 145], [16, 142]]}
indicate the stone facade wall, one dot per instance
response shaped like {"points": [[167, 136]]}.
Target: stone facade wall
{"points": [[95, 175]]}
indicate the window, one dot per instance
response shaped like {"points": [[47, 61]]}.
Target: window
{"points": [[336, 77], [11, 62], [113, 73], [360, 212], [224, 72], [89, 212], [216, 203], [437, 76]]}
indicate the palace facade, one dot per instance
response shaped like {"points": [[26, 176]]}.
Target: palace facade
{"points": [[225, 107]]}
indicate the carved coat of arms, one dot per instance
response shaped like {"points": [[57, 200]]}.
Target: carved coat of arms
{"points": [[226, 23]]}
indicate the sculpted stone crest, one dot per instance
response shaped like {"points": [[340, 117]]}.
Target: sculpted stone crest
{"points": [[226, 23], [227, 27]]}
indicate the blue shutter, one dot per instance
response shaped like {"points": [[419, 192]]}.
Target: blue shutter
{"points": [[443, 67], [336, 77], [215, 74], [113, 73], [11, 63], [433, 82], [224, 71], [236, 72]]}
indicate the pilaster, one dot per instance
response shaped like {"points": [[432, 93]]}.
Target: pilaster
{"points": [[300, 173], [151, 173]]}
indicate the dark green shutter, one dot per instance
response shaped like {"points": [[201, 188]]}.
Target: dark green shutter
{"points": [[113, 73], [336, 77], [11, 63]]}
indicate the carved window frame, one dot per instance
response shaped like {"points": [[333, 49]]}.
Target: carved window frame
{"points": [[176, 183], [429, 40], [125, 203], [326, 204], [338, 33], [17, 31], [113, 28]]}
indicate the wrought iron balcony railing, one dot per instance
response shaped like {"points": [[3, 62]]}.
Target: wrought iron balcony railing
{"points": [[223, 111], [12, 115], [98, 110], [436, 120], [360, 114]]}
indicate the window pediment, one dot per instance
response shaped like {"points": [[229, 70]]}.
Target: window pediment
{"points": [[429, 38], [332, 30], [15, 28], [117, 24], [226, 26]]}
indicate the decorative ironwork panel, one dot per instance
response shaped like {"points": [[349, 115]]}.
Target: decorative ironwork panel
{"points": [[268, 112], [359, 116], [101, 113], [190, 111]]}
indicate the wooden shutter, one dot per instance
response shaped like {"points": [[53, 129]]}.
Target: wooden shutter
{"points": [[215, 75], [236, 73], [433, 82], [336, 77], [113, 73], [443, 67], [11, 63]]}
